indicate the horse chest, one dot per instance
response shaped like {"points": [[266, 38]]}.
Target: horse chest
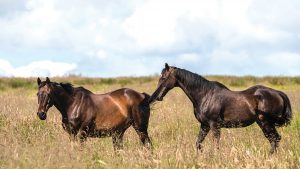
{"points": [[207, 109], [200, 114]]}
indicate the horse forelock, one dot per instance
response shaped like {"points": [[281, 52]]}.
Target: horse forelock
{"points": [[42, 84]]}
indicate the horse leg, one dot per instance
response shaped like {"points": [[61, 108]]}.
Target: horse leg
{"points": [[83, 131], [82, 135], [204, 129], [144, 137], [117, 139], [140, 124], [141, 129], [216, 130], [271, 134], [70, 130], [72, 136]]}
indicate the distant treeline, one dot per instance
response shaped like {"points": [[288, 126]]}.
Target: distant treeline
{"points": [[234, 81], [30, 83]]}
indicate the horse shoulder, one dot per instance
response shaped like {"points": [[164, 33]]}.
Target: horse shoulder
{"points": [[209, 107], [82, 106]]}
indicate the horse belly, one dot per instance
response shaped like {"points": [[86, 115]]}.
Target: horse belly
{"points": [[237, 123], [238, 116], [110, 122], [101, 133]]}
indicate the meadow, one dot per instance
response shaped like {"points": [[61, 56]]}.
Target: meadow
{"points": [[27, 142]]}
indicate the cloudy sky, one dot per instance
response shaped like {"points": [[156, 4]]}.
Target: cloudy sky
{"points": [[102, 38]]}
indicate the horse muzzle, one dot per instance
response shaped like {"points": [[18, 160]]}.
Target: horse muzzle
{"points": [[159, 98], [42, 115], [161, 94]]}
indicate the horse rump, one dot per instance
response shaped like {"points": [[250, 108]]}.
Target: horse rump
{"points": [[287, 114], [268, 105]]}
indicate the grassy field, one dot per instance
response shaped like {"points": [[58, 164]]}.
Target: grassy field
{"points": [[27, 142]]}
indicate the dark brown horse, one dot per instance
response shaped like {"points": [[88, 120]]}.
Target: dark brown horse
{"points": [[216, 107], [96, 115]]}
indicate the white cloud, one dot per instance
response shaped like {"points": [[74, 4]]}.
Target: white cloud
{"points": [[39, 68], [5, 68], [188, 57], [210, 37], [283, 62], [153, 24], [101, 54]]}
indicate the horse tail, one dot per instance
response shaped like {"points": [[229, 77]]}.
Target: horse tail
{"points": [[144, 104], [287, 114], [145, 101]]}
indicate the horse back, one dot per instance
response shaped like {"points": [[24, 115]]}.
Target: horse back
{"points": [[126, 96]]}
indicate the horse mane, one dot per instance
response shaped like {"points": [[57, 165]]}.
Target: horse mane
{"points": [[68, 87], [194, 80]]}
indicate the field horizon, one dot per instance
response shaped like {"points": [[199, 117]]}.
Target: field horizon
{"points": [[27, 142]]}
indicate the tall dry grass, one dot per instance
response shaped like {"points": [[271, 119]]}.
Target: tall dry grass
{"points": [[27, 142]]}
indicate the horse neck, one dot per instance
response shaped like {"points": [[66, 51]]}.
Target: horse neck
{"points": [[195, 92], [62, 101]]}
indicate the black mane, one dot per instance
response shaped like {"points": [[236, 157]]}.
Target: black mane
{"points": [[193, 80], [68, 87]]}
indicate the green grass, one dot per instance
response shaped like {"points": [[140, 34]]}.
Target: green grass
{"points": [[26, 142]]}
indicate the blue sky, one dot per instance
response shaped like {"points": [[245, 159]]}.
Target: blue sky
{"points": [[101, 38]]}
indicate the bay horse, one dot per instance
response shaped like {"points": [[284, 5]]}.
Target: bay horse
{"points": [[85, 114], [216, 106]]}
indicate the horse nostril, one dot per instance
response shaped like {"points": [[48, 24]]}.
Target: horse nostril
{"points": [[42, 115], [159, 99]]}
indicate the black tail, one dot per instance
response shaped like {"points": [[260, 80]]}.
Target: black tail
{"points": [[145, 105], [146, 95], [287, 114], [146, 99]]}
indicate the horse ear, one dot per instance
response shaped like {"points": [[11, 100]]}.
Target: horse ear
{"points": [[167, 67], [38, 80], [47, 80]]}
